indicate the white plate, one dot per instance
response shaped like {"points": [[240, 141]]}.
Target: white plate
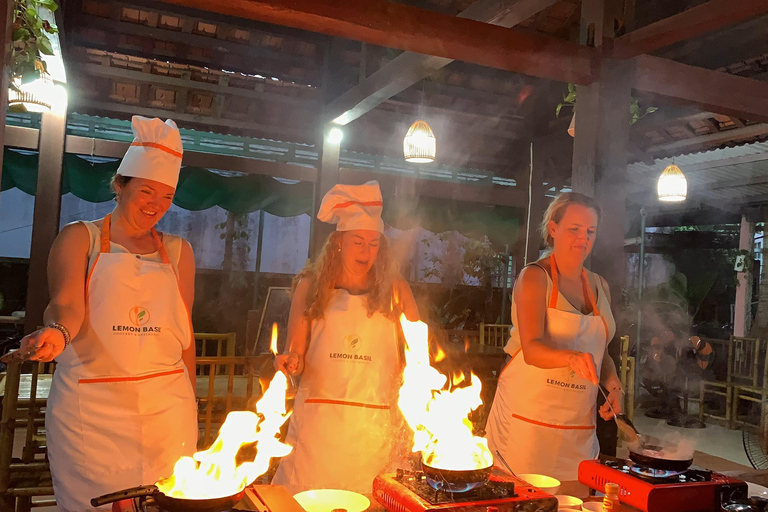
{"points": [[326, 500], [757, 490]]}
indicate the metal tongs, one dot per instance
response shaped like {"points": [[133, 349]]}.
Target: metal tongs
{"points": [[624, 423]]}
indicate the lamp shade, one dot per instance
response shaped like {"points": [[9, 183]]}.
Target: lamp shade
{"points": [[34, 96], [672, 186], [420, 145]]}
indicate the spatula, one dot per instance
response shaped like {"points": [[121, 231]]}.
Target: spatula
{"points": [[624, 423]]}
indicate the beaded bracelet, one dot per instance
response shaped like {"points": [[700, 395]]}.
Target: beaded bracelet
{"points": [[64, 331]]}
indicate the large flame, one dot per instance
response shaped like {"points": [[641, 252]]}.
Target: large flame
{"points": [[216, 472], [442, 431]]}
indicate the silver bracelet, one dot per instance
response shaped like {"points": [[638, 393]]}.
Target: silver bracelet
{"points": [[64, 331]]}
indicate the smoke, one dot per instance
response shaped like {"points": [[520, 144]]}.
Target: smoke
{"points": [[671, 446]]}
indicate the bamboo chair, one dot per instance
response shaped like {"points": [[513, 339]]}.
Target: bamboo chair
{"points": [[22, 479], [743, 365], [495, 335], [755, 392]]}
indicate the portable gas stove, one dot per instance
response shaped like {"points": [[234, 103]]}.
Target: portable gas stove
{"points": [[408, 491], [652, 490]]}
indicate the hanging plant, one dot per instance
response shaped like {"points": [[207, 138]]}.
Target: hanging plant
{"points": [[635, 111], [30, 40]]}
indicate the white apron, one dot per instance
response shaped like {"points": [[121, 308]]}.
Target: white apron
{"points": [[340, 429], [122, 409], [543, 420]]}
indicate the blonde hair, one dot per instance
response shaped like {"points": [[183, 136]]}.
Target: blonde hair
{"points": [[324, 272], [556, 210]]}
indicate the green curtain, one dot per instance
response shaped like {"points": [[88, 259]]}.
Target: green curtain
{"points": [[200, 189]]}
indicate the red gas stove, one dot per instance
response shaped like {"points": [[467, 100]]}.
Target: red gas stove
{"points": [[409, 491], [649, 490]]}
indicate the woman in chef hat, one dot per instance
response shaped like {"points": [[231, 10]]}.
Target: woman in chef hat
{"points": [[122, 405], [343, 340]]}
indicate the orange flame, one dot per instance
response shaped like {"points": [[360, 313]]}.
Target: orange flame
{"points": [[215, 472], [273, 341], [440, 354], [442, 431]]}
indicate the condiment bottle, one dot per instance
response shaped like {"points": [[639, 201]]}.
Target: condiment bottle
{"points": [[611, 498]]}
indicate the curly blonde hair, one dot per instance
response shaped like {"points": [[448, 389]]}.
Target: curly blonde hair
{"points": [[324, 272]]}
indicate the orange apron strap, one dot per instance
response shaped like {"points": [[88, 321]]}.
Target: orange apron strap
{"points": [[105, 227], [553, 297], [160, 247]]}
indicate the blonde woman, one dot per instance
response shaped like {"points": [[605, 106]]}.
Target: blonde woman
{"points": [[543, 415], [342, 339]]}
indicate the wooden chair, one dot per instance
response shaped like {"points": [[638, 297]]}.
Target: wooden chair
{"points": [[627, 377], [24, 400], [743, 370], [495, 335], [225, 384], [755, 392]]}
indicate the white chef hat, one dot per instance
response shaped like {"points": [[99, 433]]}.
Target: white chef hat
{"points": [[353, 207], [155, 153]]}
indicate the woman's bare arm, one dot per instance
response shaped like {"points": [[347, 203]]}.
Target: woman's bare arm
{"points": [[187, 288]]}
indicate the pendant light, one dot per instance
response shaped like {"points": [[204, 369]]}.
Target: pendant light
{"points": [[34, 96], [672, 186], [419, 144]]}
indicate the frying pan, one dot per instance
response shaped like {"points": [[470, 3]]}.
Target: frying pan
{"points": [[171, 504], [640, 455], [456, 480]]}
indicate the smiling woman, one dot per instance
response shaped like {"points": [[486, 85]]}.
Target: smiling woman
{"points": [[122, 408], [343, 340]]}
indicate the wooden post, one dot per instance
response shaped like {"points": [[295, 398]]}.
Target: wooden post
{"points": [[45, 222], [742, 318], [6, 25], [326, 179]]}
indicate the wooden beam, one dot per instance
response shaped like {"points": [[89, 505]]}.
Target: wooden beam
{"points": [[47, 212], [417, 30], [712, 139], [713, 91], [6, 29], [123, 74], [409, 68], [21, 137], [694, 22]]}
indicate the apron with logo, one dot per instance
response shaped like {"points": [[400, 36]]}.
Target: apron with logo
{"points": [[340, 429], [543, 420], [122, 409]]}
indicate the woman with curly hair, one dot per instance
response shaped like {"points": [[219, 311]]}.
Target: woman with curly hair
{"points": [[342, 337]]}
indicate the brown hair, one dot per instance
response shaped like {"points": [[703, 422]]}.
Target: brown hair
{"points": [[119, 180], [325, 271], [557, 208]]}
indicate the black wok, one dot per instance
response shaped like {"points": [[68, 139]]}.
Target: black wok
{"points": [[455, 480], [171, 504], [639, 455]]}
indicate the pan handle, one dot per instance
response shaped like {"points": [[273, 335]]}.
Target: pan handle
{"points": [[133, 492]]}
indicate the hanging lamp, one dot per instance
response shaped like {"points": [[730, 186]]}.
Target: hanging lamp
{"points": [[672, 186], [35, 96], [419, 144]]}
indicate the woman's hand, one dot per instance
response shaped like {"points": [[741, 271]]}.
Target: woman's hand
{"points": [[583, 365], [615, 400], [47, 344], [289, 364]]}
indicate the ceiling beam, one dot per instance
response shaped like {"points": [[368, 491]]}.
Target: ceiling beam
{"points": [[713, 139], [689, 24], [409, 68], [417, 30], [713, 91]]}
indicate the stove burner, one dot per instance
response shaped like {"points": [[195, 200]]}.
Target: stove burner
{"points": [[435, 492], [441, 485], [655, 474]]}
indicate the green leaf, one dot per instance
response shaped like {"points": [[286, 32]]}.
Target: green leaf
{"points": [[651, 110], [223, 236], [45, 46], [21, 34], [557, 110], [571, 97], [141, 314], [49, 4], [572, 88]]}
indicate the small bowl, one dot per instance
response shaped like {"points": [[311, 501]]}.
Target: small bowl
{"points": [[592, 506], [327, 500], [565, 502], [545, 483]]}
